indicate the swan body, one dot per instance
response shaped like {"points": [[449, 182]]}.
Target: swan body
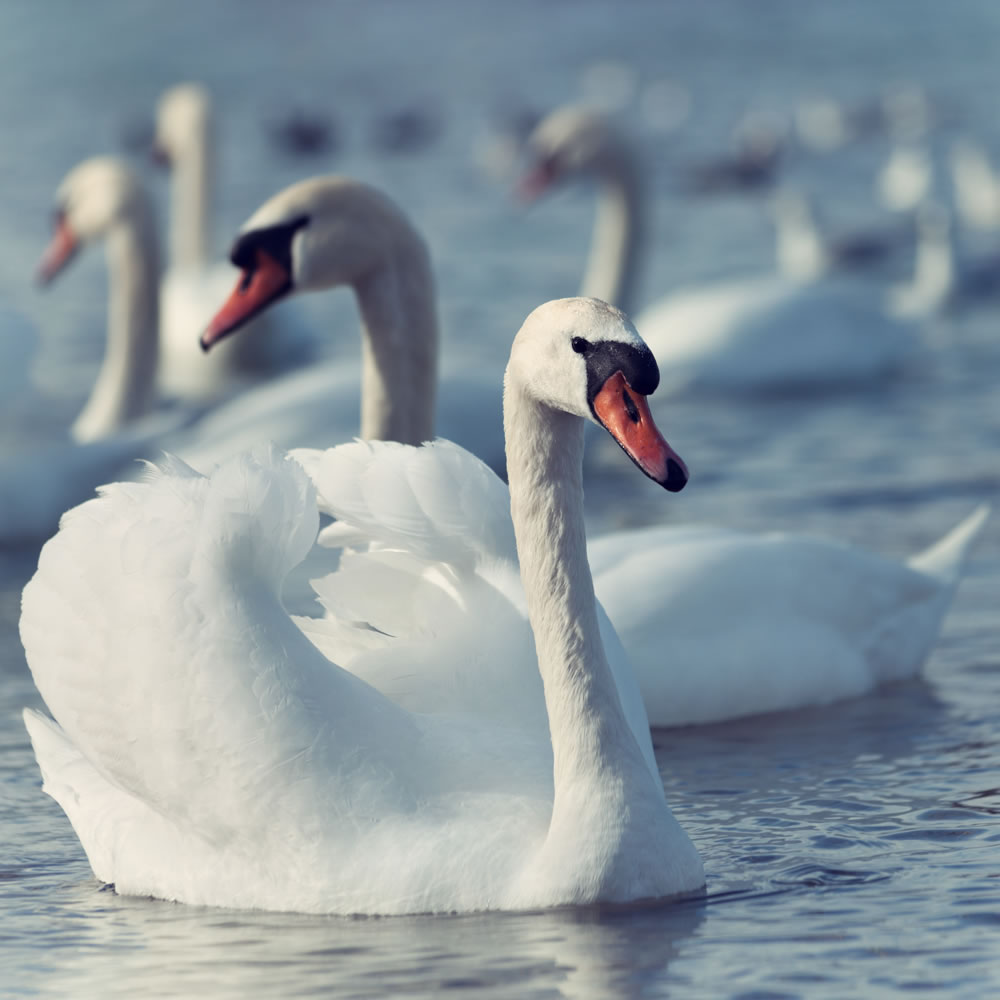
{"points": [[320, 234], [194, 283], [754, 333], [258, 773], [765, 623], [761, 623]]}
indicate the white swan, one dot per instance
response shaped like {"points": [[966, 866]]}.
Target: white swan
{"points": [[752, 333], [194, 281], [943, 279], [722, 566], [100, 199], [259, 774], [765, 623], [804, 253], [322, 233]]}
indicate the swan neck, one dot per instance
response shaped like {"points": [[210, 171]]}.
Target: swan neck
{"points": [[399, 346], [590, 735], [124, 389], [934, 269], [800, 250], [618, 232], [190, 198]]}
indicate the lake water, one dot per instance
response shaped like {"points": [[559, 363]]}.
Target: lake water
{"points": [[852, 850]]}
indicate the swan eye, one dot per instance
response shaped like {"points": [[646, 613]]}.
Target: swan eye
{"points": [[580, 345]]}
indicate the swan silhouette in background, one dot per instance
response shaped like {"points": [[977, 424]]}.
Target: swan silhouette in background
{"points": [[100, 199], [751, 333], [804, 253], [320, 234], [258, 773], [195, 280], [942, 278]]}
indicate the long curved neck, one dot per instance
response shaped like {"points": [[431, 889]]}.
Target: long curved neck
{"points": [[801, 253], [124, 389], [591, 739], [190, 199], [399, 348], [618, 234]]}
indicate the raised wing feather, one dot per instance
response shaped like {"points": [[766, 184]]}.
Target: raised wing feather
{"points": [[155, 634]]}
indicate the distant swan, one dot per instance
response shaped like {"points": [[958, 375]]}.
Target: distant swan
{"points": [[320, 234], [756, 332], [206, 752], [100, 199], [195, 280]]}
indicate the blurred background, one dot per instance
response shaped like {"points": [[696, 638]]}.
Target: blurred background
{"points": [[727, 104]]}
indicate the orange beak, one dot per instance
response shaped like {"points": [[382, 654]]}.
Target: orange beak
{"points": [[259, 286], [625, 415], [58, 253]]}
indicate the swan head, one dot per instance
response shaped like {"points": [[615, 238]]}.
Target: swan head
{"points": [[183, 116], [93, 198], [584, 357], [318, 234], [568, 142]]}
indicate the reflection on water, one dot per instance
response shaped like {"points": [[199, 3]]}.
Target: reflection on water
{"points": [[850, 850]]}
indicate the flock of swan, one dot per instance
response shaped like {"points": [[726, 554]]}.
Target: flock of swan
{"points": [[466, 724]]}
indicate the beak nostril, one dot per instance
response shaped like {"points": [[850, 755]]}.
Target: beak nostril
{"points": [[630, 407]]}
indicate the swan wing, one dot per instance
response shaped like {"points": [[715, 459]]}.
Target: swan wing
{"points": [[155, 635]]}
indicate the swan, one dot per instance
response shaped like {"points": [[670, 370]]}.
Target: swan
{"points": [[723, 567], [753, 333], [205, 751], [100, 199], [804, 253], [975, 184], [319, 234], [943, 279], [766, 623], [194, 282]]}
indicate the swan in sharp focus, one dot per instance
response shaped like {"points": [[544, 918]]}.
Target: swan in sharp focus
{"points": [[195, 280], [319, 234], [100, 199], [757, 332], [260, 774]]}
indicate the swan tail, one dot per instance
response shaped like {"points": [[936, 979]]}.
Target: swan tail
{"points": [[945, 560], [437, 501], [69, 779]]}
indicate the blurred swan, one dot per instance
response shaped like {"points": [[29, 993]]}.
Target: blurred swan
{"points": [[905, 179], [942, 278], [195, 281], [258, 773], [751, 333], [100, 199], [804, 253], [977, 189], [772, 622], [320, 234]]}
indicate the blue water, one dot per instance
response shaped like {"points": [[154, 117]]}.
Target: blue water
{"points": [[852, 850]]}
